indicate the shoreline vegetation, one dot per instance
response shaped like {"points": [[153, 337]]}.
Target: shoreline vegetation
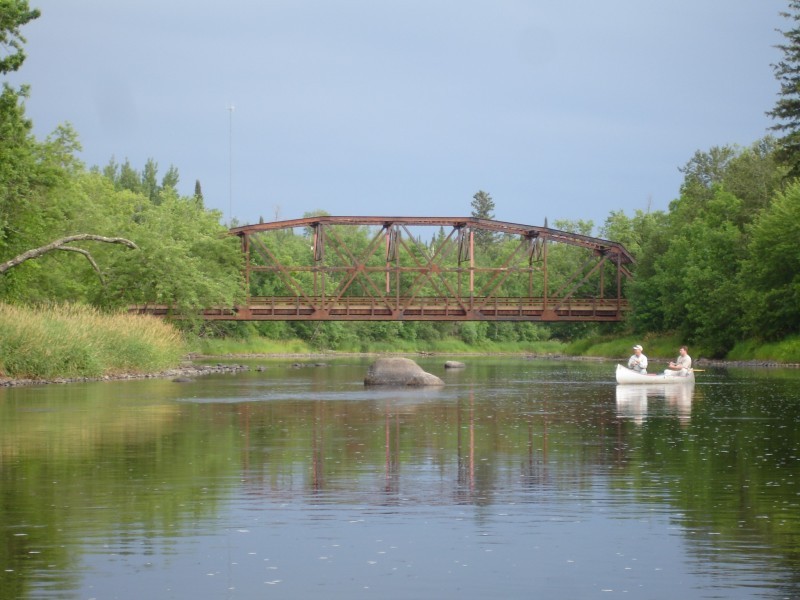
{"points": [[68, 343]]}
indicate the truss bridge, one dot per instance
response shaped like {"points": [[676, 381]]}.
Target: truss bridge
{"points": [[328, 268]]}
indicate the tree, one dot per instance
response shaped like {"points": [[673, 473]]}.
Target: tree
{"points": [[483, 208], [185, 259], [13, 15], [704, 170], [771, 273], [198, 193], [787, 107], [170, 179], [28, 170], [754, 177], [129, 179], [150, 181]]}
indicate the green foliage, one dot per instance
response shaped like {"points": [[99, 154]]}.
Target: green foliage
{"points": [[125, 177], [771, 273], [482, 206], [697, 272], [260, 345], [32, 176], [472, 332], [185, 259], [198, 193], [787, 107], [786, 350], [13, 15], [660, 348]]}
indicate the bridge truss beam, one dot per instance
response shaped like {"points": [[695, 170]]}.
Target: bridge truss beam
{"points": [[525, 273]]}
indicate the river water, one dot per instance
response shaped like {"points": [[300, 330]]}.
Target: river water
{"points": [[517, 479]]}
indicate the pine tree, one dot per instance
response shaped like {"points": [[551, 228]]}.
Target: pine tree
{"points": [[483, 208], [13, 15], [787, 107], [198, 193]]}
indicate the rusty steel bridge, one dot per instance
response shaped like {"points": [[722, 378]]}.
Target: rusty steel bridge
{"points": [[462, 269]]}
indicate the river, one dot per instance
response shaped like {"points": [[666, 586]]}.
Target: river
{"points": [[517, 479]]}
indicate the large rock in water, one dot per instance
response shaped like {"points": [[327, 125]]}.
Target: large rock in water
{"points": [[399, 371]]}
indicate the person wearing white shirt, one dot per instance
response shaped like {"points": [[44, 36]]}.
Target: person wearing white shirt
{"points": [[681, 365], [638, 362]]}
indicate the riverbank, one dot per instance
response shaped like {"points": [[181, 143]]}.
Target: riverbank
{"points": [[182, 373], [190, 370], [66, 344]]}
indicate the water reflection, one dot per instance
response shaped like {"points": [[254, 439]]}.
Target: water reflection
{"points": [[518, 478], [633, 400]]}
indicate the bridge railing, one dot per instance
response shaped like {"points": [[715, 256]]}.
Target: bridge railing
{"points": [[426, 308]]}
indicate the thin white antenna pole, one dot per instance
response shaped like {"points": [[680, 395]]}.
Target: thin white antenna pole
{"points": [[230, 164]]}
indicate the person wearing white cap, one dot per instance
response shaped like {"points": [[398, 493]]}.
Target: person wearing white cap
{"points": [[638, 362]]}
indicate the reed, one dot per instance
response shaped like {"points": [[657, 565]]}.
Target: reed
{"points": [[68, 340]]}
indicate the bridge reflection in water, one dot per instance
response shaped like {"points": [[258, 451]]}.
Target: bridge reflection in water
{"points": [[423, 268]]}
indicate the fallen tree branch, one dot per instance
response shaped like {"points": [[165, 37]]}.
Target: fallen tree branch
{"points": [[61, 244]]}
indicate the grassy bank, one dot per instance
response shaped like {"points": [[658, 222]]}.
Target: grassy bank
{"points": [[68, 341], [659, 347], [221, 347], [666, 347]]}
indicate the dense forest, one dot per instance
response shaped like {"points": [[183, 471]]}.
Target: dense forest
{"points": [[721, 267]]}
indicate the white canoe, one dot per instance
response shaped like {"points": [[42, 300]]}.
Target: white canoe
{"points": [[626, 375]]}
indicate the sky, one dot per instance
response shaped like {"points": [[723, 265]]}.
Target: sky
{"points": [[559, 110]]}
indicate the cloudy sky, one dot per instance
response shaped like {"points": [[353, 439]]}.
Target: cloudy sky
{"points": [[559, 110]]}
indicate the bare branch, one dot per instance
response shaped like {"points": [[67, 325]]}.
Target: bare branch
{"points": [[60, 244]]}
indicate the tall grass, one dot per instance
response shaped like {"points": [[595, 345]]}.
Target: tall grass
{"points": [[257, 345], [261, 345], [64, 341], [785, 351], [621, 347], [665, 346]]}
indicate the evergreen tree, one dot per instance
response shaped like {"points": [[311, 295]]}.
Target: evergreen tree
{"points": [[170, 179], [149, 181], [787, 107], [128, 178], [13, 15], [483, 208], [111, 171], [198, 193], [483, 205]]}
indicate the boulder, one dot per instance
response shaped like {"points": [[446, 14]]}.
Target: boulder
{"points": [[399, 372], [454, 364]]}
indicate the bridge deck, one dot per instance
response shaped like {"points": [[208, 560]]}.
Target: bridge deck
{"points": [[410, 309]]}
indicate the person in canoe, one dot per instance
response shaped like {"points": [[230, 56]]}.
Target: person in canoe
{"points": [[681, 365], [638, 361]]}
